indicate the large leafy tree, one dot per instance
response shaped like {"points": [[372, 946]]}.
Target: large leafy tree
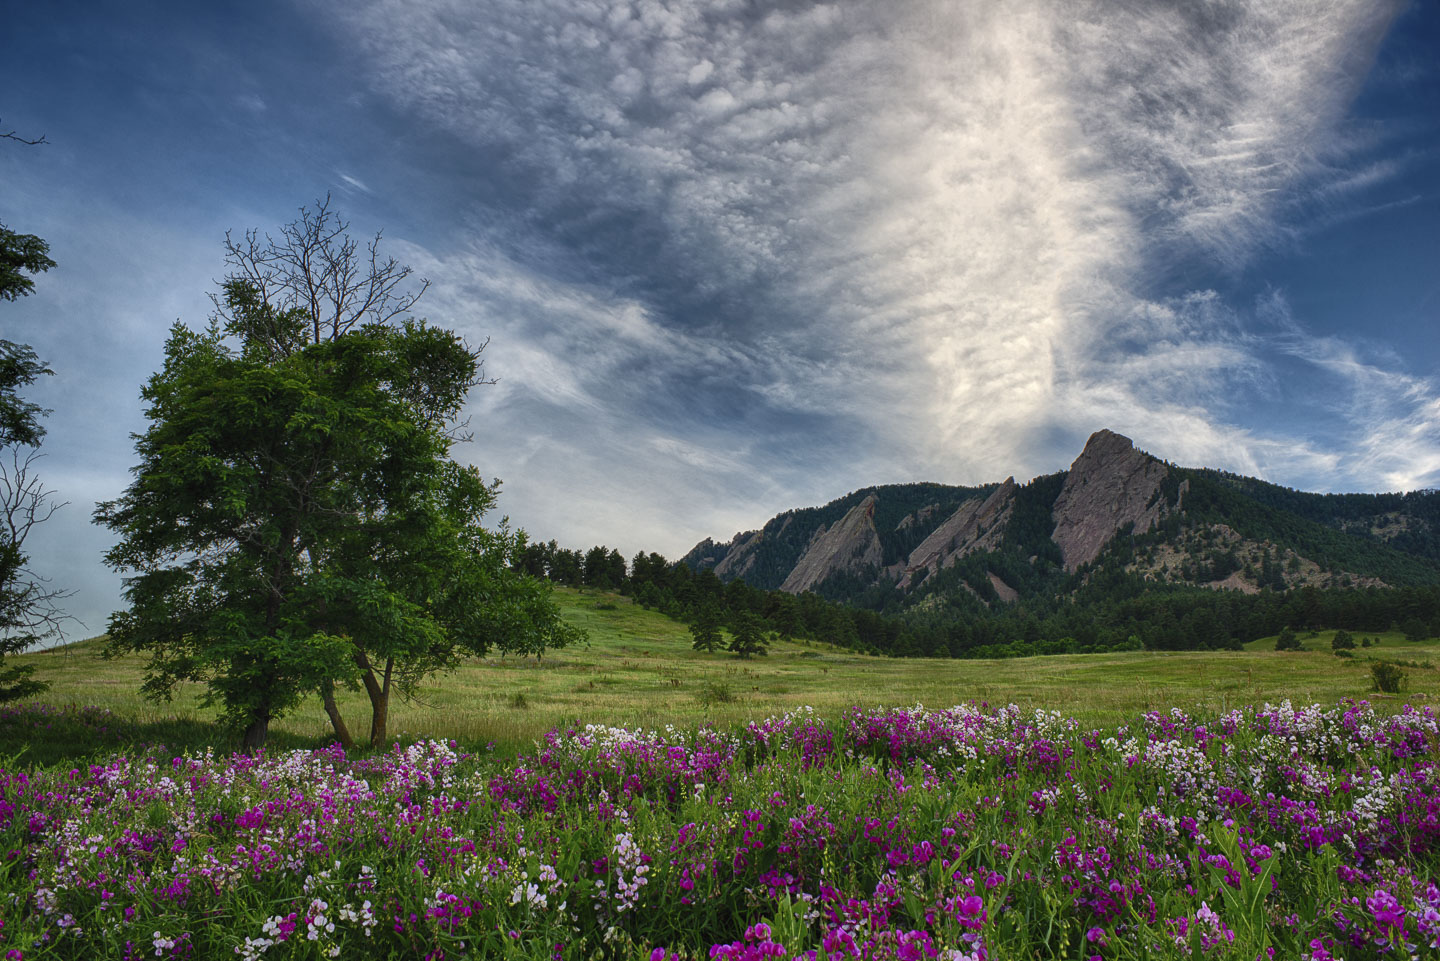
{"points": [[296, 521]]}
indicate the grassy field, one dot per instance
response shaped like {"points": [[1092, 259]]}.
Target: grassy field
{"points": [[639, 670]]}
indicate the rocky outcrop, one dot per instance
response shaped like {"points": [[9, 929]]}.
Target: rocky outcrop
{"points": [[705, 554], [1110, 485], [738, 561], [977, 524], [852, 544], [919, 517], [1004, 591]]}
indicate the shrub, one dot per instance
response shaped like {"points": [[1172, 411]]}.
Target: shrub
{"points": [[1342, 641], [1287, 641], [714, 692], [1387, 677], [1343, 653]]}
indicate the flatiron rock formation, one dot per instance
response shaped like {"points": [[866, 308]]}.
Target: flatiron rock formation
{"points": [[1110, 485], [976, 525], [741, 557], [852, 544], [1207, 528]]}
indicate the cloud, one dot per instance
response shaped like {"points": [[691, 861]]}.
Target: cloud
{"points": [[815, 246], [354, 183]]}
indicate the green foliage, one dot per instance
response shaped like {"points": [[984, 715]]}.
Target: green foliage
{"points": [[1261, 512], [21, 254], [1342, 641], [19, 419], [1287, 641], [749, 636], [1415, 629], [706, 630], [296, 521], [1387, 678]]}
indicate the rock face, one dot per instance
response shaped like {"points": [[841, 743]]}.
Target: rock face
{"points": [[1110, 485], [976, 525], [706, 553], [741, 556], [852, 544], [1003, 591], [919, 517]]}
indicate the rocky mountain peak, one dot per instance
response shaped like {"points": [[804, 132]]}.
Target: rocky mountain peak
{"points": [[1110, 485]]}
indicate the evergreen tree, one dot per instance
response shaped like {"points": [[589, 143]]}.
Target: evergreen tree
{"points": [[749, 636], [705, 630]]}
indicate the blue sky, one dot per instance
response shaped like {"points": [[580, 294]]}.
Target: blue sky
{"points": [[735, 257]]}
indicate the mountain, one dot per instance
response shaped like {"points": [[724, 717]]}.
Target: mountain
{"points": [[1118, 514]]}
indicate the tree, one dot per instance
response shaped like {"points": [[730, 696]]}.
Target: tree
{"points": [[28, 605], [597, 569], [1287, 641], [705, 629], [749, 637], [296, 521], [1342, 641]]}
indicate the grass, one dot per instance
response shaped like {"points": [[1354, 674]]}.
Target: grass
{"points": [[1384, 646], [639, 670]]}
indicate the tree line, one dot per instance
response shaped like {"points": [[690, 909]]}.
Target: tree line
{"points": [[1115, 610]]}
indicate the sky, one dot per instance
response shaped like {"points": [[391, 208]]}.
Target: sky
{"points": [[734, 257]]}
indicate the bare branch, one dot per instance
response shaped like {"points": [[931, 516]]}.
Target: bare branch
{"points": [[12, 135], [316, 268], [29, 606]]}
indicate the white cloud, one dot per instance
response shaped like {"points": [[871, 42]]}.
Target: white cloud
{"points": [[916, 234], [354, 183]]}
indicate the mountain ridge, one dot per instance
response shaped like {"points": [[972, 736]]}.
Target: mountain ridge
{"points": [[1116, 509]]}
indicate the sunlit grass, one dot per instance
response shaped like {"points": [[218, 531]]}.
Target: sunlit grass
{"points": [[639, 670]]}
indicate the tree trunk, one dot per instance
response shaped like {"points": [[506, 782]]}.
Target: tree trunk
{"points": [[337, 721], [255, 734], [379, 697], [380, 708], [379, 717]]}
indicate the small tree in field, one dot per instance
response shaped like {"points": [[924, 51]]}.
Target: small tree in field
{"points": [[749, 637], [1287, 641], [705, 630], [1342, 641]]}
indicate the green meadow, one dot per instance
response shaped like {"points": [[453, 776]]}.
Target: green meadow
{"points": [[638, 670]]}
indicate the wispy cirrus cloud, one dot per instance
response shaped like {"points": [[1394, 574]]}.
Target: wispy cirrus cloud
{"points": [[818, 245]]}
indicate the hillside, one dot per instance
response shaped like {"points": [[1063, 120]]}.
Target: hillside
{"points": [[1117, 521]]}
